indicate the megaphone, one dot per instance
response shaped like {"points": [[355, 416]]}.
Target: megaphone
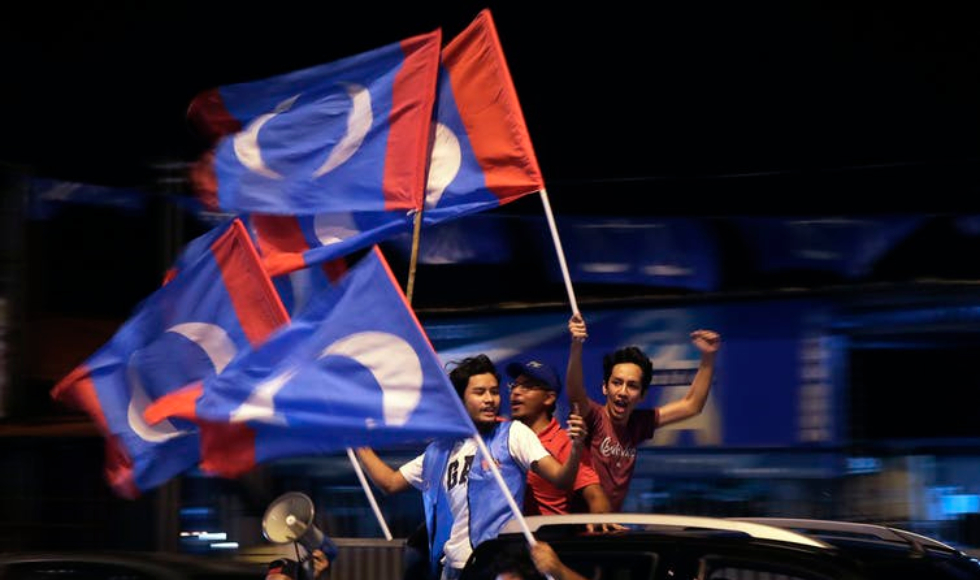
{"points": [[289, 518]]}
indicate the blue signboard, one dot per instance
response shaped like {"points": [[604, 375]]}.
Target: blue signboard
{"points": [[773, 383]]}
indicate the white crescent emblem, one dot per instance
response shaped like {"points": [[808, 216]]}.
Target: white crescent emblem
{"points": [[391, 360], [213, 340], [259, 404], [246, 142], [393, 363], [444, 164], [331, 228], [359, 122]]}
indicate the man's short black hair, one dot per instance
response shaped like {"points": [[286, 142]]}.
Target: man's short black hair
{"points": [[628, 354], [468, 367]]}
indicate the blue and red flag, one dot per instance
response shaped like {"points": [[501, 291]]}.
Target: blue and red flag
{"points": [[216, 304], [354, 368], [298, 287], [291, 243], [482, 156], [349, 135]]}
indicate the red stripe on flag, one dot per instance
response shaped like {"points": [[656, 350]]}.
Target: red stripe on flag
{"points": [[259, 309], [407, 156], [335, 269], [180, 403], [281, 243], [78, 392], [231, 448], [204, 181], [209, 116], [490, 110]]}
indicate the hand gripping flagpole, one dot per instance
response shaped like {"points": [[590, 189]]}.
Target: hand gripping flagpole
{"points": [[558, 250]]}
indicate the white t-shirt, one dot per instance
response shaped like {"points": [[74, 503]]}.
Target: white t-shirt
{"points": [[524, 447]]}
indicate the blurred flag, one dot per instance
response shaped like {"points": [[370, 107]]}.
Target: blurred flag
{"points": [[849, 247], [481, 158], [49, 196], [219, 302], [482, 155], [291, 243], [298, 287], [355, 368], [350, 135]]}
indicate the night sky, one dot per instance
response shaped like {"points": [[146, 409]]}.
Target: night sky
{"points": [[714, 107]]}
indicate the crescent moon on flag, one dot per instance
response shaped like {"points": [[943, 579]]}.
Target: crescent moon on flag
{"points": [[213, 340], [395, 366], [390, 359], [246, 142], [332, 228], [359, 122], [444, 165], [259, 404]]}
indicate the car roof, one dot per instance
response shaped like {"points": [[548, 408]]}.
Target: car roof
{"points": [[666, 521], [828, 529], [822, 548]]}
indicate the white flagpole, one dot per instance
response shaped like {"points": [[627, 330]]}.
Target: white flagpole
{"points": [[558, 250], [350, 452], [367, 492]]}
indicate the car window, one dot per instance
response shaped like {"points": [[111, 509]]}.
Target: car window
{"points": [[71, 571], [741, 573], [722, 569], [612, 565]]}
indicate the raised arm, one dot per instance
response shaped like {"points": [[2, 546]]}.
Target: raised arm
{"points": [[574, 378], [563, 476], [387, 479], [708, 342]]}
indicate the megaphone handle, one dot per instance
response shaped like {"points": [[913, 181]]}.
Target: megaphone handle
{"points": [[305, 564]]}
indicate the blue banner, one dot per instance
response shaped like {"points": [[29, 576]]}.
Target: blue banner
{"points": [[773, 383]]}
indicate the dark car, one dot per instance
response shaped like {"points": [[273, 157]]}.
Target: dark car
{"points": [[668, 547], [123, 566]]}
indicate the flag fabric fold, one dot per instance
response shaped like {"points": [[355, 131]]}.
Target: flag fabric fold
{"points": [[291, 243], [349, 135], [354, 368], [217, 302]]}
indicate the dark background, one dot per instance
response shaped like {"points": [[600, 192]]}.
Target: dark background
{"points": [[712, 110], [690, 107]]}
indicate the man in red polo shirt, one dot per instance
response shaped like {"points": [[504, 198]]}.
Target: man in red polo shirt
{"points": [[534, 392]]}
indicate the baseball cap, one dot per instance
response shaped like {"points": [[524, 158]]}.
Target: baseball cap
{"points": [[537, 370]]}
